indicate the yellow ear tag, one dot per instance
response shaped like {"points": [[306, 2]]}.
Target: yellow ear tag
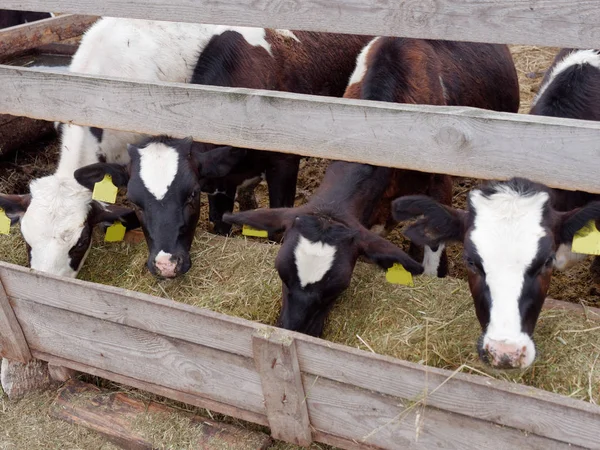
{"points": [[105, 190], [4, 223], [115, 233], [247, 230], [587, 240], [397, 274]]}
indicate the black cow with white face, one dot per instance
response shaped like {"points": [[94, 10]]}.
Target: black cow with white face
{"points": [[510, 234], [164, 180]]}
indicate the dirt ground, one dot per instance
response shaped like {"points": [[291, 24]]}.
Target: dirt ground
{"points": [[28, 419]]}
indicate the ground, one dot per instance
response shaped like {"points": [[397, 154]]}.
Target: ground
{"points": [[419, 324]]}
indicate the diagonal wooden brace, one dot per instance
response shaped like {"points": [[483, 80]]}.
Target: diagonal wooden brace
{"points": [[12, 341], [277, 363]]}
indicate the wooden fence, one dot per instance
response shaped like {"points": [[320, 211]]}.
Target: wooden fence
{"points": [[304, 388]]}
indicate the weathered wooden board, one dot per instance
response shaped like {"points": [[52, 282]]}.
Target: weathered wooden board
{"points": [[184, 397], [589, 312], [135, 353], [117, 417], [277, 364], [19, 379], [551, 22], [384, 422], [562, 153], [19, 39], [12, 342], [530, 409]]}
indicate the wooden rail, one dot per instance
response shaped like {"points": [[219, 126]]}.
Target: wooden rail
{"points": [[571, 23], [561, 153], [352, 397]]}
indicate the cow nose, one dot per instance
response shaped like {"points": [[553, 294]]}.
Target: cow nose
{"points": [[506, 355], [167, 265]]}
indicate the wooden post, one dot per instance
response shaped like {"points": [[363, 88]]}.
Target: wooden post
{"points": [[19, 379], [60, 373], [12, 341], [277, 363]]}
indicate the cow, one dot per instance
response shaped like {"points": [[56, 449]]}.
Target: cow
{"points": [[12, 17], [293, 61], [324, 238], [58, 214], [571, 89], [510, 232]]}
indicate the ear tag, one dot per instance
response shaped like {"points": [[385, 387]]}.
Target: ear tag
{"points": [[4, 223], [105, 190], [115, 233], [587, 240], [397, 274], [247, 230]]}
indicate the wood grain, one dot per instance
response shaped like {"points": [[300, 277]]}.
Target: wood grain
{"points": [[562, 153], [277, 364], [60, 373], [551, 22], [20, 379], [19, 39], [12, 341], [116, 416], [149, 357], [383, 422]]}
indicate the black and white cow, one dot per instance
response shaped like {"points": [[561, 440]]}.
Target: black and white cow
{"points": [[303, 62], [510, 232], [324, 238], [571, 89], [57, 216], [12, 17]]}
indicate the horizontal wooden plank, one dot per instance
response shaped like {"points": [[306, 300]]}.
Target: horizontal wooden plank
{"points": [[184, 397], [460, 141], [507, 404], [28, 36], [533, 410], [135, 353], [551, 22], [383, 422]]}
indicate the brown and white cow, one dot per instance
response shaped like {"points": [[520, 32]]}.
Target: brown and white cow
{"points": [[571, 89], [302, 62], [510, 232], [324, 238]]}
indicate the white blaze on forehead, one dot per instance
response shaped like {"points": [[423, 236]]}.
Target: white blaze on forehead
{"points": [[313, 260], [53, 223], [506, 234], [256, 37], [576, 58], [158, 167], [361, 64]]}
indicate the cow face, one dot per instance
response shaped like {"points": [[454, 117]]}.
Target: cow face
{"points": [[510, 233], [316, 260], [57, 220], [163, 181]]}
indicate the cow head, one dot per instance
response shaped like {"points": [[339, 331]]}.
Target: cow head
{"points": [[163, 181], [316, 260], [510, 234]]}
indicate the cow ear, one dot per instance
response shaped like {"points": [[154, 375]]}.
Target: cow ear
{"points": [[109, 214], [271, 220], [437, 224], [383, 253], [15, 206], [569, 223], [218, 162], [88, 176]]}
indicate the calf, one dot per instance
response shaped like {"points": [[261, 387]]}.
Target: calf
{"points": [[324, 238], [510, 232], [11, 17], [311, 63], [58, 214], [571, 89]]}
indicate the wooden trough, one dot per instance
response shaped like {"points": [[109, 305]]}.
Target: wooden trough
{"points": [[305, 389]]}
